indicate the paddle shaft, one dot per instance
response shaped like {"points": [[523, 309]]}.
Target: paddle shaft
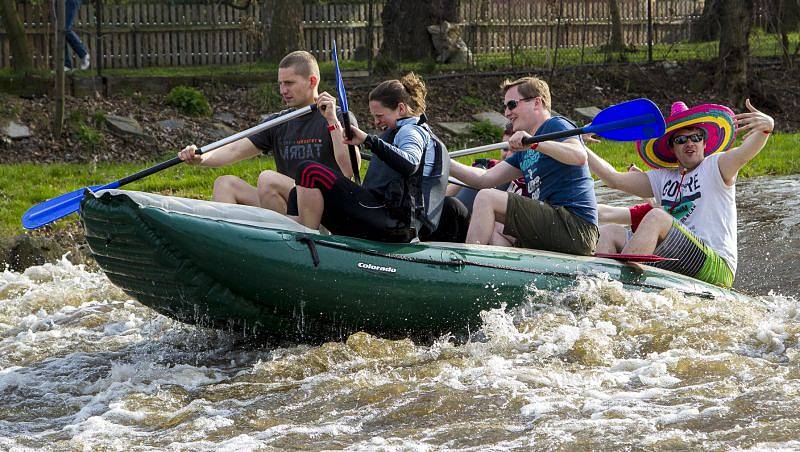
{"points": [[592, 128], [348, 133], [218, 144], [61, 206], [642, 119]]}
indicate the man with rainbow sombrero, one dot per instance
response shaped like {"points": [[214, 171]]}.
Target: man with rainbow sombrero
{"points": [[693, 181]]}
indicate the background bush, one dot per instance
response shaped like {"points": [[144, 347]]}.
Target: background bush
{"points": [[189, 101]]}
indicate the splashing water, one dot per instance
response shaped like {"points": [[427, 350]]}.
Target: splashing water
{"points": [[82, 366]]}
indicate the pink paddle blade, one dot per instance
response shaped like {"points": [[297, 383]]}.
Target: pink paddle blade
{"points": [[635, 257]]}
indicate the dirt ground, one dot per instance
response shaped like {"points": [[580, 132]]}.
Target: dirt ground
{"points": [[451, 97]]}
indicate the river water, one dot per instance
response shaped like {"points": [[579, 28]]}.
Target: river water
{"points": [[84, 367]]}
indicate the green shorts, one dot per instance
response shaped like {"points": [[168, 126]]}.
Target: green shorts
{"points": [[538, 225], [694, 258]]}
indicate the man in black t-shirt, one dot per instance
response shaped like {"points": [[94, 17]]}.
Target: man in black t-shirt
{"points": [[308, 137]]}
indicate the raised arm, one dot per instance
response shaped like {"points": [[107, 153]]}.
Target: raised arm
{"points": [[481, 178], [632, 182], [327, 106], [757, 128]]}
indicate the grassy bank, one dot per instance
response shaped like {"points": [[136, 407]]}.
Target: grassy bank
{"points": [[24, 185]]}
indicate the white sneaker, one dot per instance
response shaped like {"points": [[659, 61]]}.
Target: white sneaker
{"points": [[68, 69], [85, 62]]}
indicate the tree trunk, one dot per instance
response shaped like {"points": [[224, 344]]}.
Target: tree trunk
{"points": [[405, 26], [734, 48], [22, 57], [281, 21], [706, 28], [617, 42], [786, 20]]}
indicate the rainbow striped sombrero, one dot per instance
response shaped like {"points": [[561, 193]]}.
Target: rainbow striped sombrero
{"points": [[716, 120]]}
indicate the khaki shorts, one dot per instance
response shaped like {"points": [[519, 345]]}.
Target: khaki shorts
{"points": [[538, 225]]}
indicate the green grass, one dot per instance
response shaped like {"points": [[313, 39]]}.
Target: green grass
{"points": [[24, 185], [761, 45], [326, 68], [7, 72]]}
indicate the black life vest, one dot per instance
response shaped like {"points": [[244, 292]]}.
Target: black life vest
{"points": [[422, 196]]}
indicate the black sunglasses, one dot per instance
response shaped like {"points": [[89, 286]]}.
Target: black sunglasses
{"points": [[512, 104], [682, 139]]}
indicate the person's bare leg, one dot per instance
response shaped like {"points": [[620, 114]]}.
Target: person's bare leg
{"points": [[452, 190], [651, 231], [233, 190], [612, 238], [273, 190], [500, 239], [310, 205], [490, 206]]}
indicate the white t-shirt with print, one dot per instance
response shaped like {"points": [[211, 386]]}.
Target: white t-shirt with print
{"points": [[706, 206]]}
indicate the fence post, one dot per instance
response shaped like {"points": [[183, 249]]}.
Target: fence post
{"points": [[510, 40], [98, 39], [370, 37], [585, 26], [558, 36], [649, 31], [58, 56]]}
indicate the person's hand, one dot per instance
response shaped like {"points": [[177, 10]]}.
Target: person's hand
{"points": [[515, 141], [589, 138], [327, 106], [190, 156], [358, 136], [754, 121]]}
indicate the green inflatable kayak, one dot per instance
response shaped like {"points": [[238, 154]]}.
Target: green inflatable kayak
{"points": [[251, 270]]}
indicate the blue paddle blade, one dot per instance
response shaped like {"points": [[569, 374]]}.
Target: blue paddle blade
{"points": [[339, 83], [638, 119], [51, 210]]}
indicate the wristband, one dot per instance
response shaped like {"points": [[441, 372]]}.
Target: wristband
{"points": [[534, 146], [333, 127]]}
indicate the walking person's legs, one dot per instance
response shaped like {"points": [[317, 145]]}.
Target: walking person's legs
{"points": [[72, 39]]}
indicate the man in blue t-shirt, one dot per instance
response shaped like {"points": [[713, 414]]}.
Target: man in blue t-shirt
{"points": [[561, 212]]}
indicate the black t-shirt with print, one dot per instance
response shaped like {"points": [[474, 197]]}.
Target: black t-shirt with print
{"points": [[303, 138]]}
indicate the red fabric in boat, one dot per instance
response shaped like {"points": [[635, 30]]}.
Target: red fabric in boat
{"points": [[634, 257]]}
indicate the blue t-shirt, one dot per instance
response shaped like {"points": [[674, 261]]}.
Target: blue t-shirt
{"points": [[556, 183]]}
